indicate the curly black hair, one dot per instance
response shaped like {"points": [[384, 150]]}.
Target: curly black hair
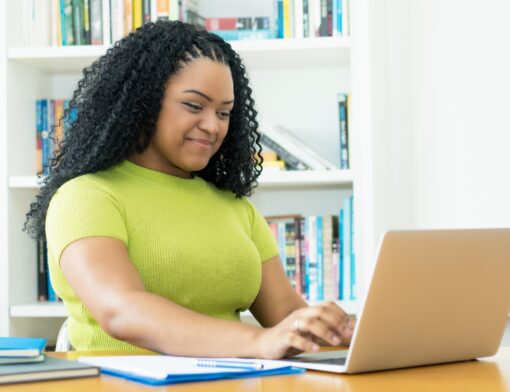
{"points": [[117, 103]]}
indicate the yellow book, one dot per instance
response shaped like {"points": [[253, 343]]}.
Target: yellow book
{"points": [[137, 14], [286, 19]]}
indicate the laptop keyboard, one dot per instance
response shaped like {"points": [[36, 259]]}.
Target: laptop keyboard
{"points": [[329, 361]]}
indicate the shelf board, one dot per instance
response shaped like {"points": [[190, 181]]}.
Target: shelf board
{"points": [[284, 178], [57, 309], [257, 54], [305, 178], [24, 182], [39, 309]]}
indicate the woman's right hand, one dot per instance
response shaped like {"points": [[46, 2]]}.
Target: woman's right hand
{"points": [[303, 328]]}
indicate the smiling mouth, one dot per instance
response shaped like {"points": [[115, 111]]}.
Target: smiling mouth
{"points": [[201, 142]]}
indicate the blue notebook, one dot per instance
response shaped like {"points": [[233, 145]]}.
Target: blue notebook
{"points": [[165, 370], [21, 347]]}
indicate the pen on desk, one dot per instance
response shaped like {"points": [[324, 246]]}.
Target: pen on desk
{"points": [[229, 364]]}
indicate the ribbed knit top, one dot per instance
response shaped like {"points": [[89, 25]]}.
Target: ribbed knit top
{"points": [[191, 243]]}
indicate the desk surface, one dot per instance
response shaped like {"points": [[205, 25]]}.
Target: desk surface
{"points": [[488, 374]]}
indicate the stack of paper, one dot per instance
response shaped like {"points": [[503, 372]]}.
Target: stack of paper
{"points": [[21, 350], [163, 369]]}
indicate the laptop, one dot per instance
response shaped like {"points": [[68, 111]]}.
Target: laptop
{"points": [[435, 296]]}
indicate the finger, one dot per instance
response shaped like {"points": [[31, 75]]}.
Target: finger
{"points": [[334, 316], [320, 329], [301, 343]]}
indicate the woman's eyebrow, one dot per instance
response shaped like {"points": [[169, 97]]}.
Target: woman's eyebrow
{"points": [[206, 96]]}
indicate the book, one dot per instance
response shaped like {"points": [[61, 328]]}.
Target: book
{"points": [[21, 346], [166, 369], [289, 146], [49, 369], [12, 360]]}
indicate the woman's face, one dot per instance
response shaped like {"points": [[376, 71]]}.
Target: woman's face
{"points": [[193, 121]]}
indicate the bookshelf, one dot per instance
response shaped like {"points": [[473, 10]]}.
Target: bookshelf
{"points": [[313, 69]]}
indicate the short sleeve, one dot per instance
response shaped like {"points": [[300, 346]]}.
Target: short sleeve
{"points": [[262, 236], [82, 208]]}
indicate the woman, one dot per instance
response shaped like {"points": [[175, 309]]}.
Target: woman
{"points": [[152, 242]]}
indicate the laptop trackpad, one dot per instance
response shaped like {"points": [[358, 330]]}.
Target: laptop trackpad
{"points": [[336, 357]]}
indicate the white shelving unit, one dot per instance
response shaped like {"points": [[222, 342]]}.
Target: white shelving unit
{"points": [[295, 83]]}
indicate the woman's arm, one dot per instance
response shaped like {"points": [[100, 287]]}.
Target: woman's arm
{"points": [[101, 274], [276, 299]]}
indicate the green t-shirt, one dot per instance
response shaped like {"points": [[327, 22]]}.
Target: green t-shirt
{"points": [[198, 246]]}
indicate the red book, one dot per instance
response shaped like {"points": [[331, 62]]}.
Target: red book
{"points": [[220, 24]]}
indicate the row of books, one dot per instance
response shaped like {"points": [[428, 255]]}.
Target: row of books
{"points": [[96, 22], [283, 150], [101, 22], [48, 114], [311, 18], [317, 253]]}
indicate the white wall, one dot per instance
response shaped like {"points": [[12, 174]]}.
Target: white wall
{"points": [[441, 129], [445, 129]]}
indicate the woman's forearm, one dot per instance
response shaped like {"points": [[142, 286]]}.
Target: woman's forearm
{"points": [[150, 321]]}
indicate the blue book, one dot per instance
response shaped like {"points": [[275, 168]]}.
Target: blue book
{"points": [[341, 272], [21, 347], [242, 35], [320, 259], [166, 369]]}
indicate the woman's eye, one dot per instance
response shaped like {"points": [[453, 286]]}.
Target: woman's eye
{"points": [[192, 106], [224, 115]]}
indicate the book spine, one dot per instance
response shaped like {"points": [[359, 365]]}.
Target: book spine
{"points": [[39, 129], [174, 10], [323, 27], [306, 19], [96, 22], [352, 250], [338, 18], [280, 19], [347, 250], [78, 22], [327, 243], [154, 10], [54, 22], [69, 27], [341, 270], [344, 137], [86, 22], [281, 243], [312, 258], [128, 16], [137, 14], [298, 19], [307, 257], [330, 17], [345, 17], [297, 256], [52, 296], [45, 136], [163, 9], [240, 35], [221, 23], [146, 11], [314, 8], [117, 19], [320, 258], [42, 286], [302, 255]]}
